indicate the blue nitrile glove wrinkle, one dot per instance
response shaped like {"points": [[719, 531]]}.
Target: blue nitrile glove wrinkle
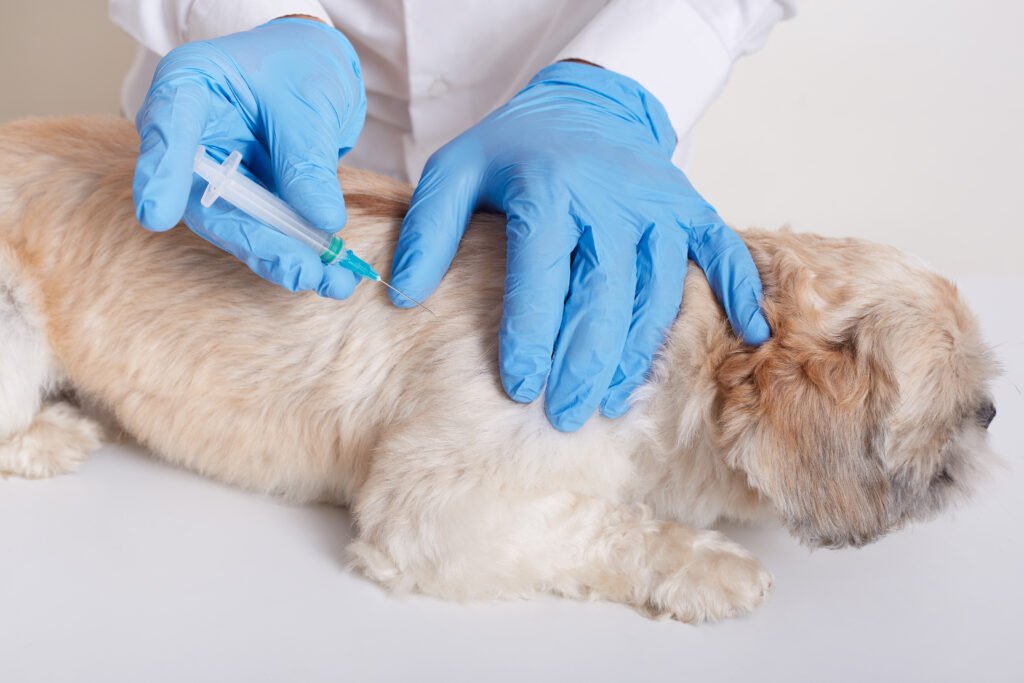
{"points": [[289, 96], [600, 226]]}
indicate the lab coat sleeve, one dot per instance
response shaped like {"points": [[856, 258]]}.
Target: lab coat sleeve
{"points": [[680, 50], [162, 25]]}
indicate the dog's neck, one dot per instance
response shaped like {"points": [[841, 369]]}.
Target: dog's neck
{"points": [[682, 402]]}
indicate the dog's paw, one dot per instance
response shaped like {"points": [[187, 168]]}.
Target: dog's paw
{"points": [[57, 442], [718, 580], [375, 565]]}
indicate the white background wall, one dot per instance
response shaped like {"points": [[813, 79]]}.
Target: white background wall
{"points": [[898, 121]]}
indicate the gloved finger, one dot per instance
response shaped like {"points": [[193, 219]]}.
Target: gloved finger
{"points": [[730, 270], [304, 158], [594, 325], [170, 125], [337, 282], [541, 237], [660, 273], [271, 255], [441, 207]]}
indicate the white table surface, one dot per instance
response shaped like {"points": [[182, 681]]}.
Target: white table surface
{"points": [[133, 570]]}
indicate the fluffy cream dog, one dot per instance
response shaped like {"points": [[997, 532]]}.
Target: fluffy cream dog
{"points": [[865, 410]]}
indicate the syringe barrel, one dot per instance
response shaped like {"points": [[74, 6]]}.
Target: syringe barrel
{"points": [[224, 181]]}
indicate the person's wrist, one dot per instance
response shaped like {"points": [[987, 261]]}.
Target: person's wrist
{"points": [[644, 107], [310, 23], [303, 16], [576, 60]]}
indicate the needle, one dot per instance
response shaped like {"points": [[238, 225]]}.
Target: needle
{"points": [[421, 305]]}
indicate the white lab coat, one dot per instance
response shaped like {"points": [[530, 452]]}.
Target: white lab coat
{"points": [[434, 68]]}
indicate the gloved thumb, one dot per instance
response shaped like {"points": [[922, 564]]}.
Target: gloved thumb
{"points": [[170, 126], [440, 210]]}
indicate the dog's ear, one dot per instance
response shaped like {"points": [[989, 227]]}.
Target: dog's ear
{"points": [[804, 416]]}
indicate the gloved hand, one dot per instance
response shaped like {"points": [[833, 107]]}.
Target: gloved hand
{"points": [[599, 226], [289, 96]]}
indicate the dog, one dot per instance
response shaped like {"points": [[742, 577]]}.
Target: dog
{"points": [[867, 409]]}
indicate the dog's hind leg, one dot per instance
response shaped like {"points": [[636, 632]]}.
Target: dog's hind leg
{"points": [[38, 438], [460, 533]]}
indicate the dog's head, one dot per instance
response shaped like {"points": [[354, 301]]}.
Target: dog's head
{"points": [[868, 407]]}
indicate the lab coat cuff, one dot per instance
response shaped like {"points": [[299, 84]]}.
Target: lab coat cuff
{"points": [[215, 18]]}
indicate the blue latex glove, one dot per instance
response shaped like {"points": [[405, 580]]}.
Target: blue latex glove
{"points": [[600, 225], [289, 96]]}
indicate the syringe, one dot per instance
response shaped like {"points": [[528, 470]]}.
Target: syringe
{"points": [[224, 181]]}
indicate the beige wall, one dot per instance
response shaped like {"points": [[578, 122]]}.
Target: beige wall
{"points": [[897, 121], [60, 57]]}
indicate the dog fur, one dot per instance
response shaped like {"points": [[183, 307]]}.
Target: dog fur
{"points": [[866, 409]]}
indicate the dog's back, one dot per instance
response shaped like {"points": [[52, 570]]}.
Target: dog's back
{"points": [[215, 369], [198, 357]]}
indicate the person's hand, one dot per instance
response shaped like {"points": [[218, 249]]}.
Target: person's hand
{"points": [[599, 224], [289, 96]]}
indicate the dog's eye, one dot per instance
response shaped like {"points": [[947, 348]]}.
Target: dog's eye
{"points": [[943, 477], [986, 413]]}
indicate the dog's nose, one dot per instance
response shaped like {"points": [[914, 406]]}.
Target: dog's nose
{"points": [[986, 414]]}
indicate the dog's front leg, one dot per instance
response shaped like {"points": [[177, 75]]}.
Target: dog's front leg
{"points": [[38, 437], [470, 541], [621, 553]]}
